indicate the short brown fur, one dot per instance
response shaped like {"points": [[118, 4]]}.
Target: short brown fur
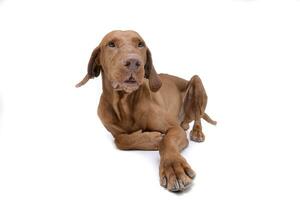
{"points": [[144, 110]]}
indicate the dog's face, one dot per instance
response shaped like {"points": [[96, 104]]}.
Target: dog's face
{"points": [[124, 59]]}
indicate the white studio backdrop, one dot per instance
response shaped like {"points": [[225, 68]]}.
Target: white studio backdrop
{"points": [[53, 146]]}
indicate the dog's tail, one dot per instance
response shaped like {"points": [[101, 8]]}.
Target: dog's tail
{"points": [[208, 119]]}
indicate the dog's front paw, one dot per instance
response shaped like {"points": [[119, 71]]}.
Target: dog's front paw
{"points": [[175, 173], [153, 139]]}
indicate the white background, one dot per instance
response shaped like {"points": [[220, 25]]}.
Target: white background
{"points": [[53, 146]]}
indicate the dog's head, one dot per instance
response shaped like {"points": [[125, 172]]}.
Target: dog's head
{"points": [[124, 59]]}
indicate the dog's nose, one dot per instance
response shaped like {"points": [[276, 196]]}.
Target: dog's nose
{"points": [[132, 63]]}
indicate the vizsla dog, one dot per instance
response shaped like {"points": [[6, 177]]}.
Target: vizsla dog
{"points": [[144, 110]]}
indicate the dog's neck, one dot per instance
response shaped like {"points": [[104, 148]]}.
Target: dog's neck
{"points": [[123, 102]]}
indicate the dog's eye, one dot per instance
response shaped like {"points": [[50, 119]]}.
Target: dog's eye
{"points": [[141, 44], [111, 44]]}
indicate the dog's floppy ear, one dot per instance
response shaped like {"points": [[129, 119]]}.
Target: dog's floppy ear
{"points": [[150, 73], [93, 69]]}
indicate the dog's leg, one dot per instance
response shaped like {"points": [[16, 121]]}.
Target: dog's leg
{"points": [[194, 105], [139, 140], [174, 171]]}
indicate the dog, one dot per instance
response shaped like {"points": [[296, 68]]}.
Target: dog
{"points": [[144, 110]]}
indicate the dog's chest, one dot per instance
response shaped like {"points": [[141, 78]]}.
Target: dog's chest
{"points": [[144, 117], [127, 120], [128, 117]]}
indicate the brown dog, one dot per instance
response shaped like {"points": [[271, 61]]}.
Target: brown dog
{"points": [[145, 110]]}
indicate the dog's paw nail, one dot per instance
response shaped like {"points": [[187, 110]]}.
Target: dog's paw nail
{"points": [[181, 185], [188, 184], [175, 187], [163, 181], [190, 173]]}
